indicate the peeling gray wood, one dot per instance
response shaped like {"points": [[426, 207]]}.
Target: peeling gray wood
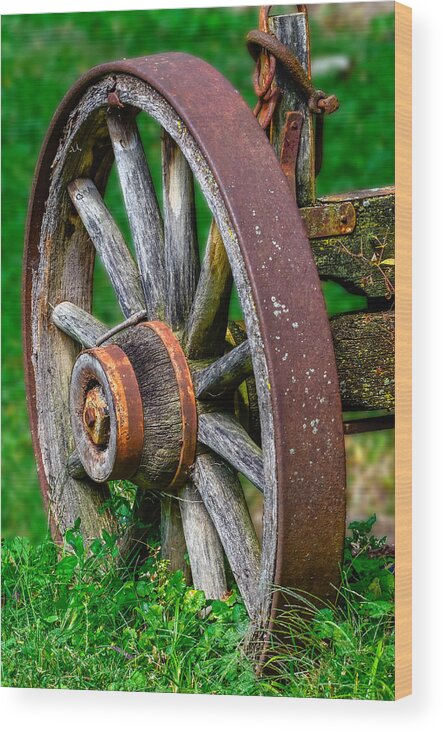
{"points": [[225, 502], [141, 206], [78, 324], [109, 244], [204, 547], [292, 30], [208, 319], [358, 260], [181, 246], [225, 374], [225, 436], [173, 543]]}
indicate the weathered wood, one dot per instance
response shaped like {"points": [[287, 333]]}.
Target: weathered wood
{"points": [[173, 543], [292, 30], [132, 320], [225, 436], [78, 324], [75, 467], [246, 398], [162, 416], [181, 245], [225, 374], [146, 513], [225, 502], [208, 319], [64, 274], [109, 243], [141, 206], [362, 261], [204, 547], [365, 354]]}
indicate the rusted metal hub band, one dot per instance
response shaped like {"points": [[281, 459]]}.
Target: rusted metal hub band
{"points": [[188, 404], [106, 413]]}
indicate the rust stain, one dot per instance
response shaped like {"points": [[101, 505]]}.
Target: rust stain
{"points": [[329, 219]]}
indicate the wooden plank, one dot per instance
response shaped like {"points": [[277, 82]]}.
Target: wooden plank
{"points": [[225, 436], [173, 543], [208, 319], [78, 324], [182, 261], [365, 354], [225, 374], [109, 243], [363, 260], [141, 206], [204, 547], [225, 502], [292, 30]]}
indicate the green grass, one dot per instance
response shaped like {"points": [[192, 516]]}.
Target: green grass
{"points": [[42, 55], [76, 620]]}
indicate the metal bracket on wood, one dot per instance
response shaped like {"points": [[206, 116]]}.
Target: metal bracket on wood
{"points": [[289, 147], [327, 220]]}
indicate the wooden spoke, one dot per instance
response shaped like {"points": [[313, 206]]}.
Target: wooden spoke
{"points": [[225, 374], [172, 536], [146, 516], [109, 243], [75, 467], [78, 324], [208, 318], [225, 436], [181, 245], [225, 502], [141, 206], [204, 547]]}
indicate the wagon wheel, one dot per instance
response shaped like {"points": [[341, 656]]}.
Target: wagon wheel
{"points": [[125, 406]]}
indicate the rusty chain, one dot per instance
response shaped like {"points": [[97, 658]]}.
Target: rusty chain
{"points": [[265, 85], [266, 50]]}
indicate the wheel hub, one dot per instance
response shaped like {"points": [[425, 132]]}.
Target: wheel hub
{"points": [[96, 416], [123, 425]]}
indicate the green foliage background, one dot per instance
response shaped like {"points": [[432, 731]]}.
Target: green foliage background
{"points": [[42, 55]]}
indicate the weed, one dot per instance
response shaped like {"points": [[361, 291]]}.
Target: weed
{"points": [[77, 619]]}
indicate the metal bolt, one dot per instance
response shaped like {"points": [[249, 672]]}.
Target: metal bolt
{"points": [[96, 416], [90, 417]]}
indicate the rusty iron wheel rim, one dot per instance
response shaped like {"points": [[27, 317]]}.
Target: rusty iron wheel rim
{"points": [[284, 312]]}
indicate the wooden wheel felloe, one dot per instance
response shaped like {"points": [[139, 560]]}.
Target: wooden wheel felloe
{"points": [[126, 405]]}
